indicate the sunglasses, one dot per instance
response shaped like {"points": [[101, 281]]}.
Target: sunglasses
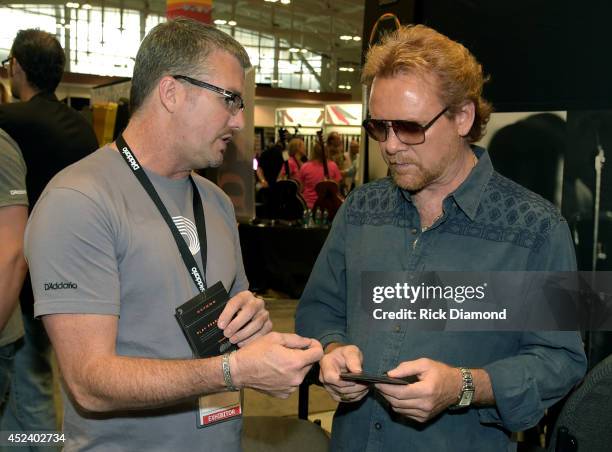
{"points": [[408, 132], [233, 101]]}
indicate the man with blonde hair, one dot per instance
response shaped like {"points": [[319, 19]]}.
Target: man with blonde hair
{"points": [[444, 208]]}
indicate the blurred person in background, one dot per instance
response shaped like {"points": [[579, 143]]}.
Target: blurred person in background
{"points": [[51, 136]]}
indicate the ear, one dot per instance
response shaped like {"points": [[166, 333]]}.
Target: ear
{"points": [[15, 68], [170, 93], [464, 118]]}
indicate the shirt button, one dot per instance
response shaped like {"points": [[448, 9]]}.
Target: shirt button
{"points": [[414, 231], [398, 328], [377, 426]]}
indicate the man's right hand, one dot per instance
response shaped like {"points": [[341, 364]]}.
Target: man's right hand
{"points": [[342, 358], [275, 363]]}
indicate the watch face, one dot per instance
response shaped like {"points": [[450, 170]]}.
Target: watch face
{"points": [[466, 398]]}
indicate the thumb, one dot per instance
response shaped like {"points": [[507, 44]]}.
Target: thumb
{"points": [[353, 359], [407, 368], [295, 341]]}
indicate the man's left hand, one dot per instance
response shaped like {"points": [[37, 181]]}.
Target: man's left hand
{"points": [[438, 388], [252, 318]]}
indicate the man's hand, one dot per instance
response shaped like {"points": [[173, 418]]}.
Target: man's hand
{"points": [[342, 358], [252, 319], [438, 388], [275, 363]]}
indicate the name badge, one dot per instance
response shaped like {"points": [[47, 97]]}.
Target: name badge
{"points": [[216, 408]]}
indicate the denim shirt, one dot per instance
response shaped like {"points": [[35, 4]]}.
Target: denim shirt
{"points": [[488, 224]]}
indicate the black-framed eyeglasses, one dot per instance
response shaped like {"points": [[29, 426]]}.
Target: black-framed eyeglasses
{"points": [[233, 101], [408, 132], [6, 61]]}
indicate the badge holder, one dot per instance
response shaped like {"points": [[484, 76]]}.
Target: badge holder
{"points": [[198, 319]]}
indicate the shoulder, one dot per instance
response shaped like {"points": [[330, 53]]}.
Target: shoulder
{"points": [[377, 203], [11, 112], [505, 201], [11, 159], [9, 149], [93, 175]]}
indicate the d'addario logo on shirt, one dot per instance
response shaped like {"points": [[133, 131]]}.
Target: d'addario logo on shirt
{"points": [[135, 166], [60, 285]]}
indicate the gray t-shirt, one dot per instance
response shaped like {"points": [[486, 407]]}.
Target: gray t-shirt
{"points": [[12, 193], [97, 244]]}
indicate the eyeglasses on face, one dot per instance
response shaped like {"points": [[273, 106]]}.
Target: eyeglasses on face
{"points": [[6, 61], [233, 101], [408, 132]]}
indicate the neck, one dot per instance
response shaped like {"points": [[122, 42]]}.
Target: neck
{"points": [[153, 149], [429, 200], [26, 92]]}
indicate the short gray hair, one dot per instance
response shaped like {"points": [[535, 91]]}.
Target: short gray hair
{"points": [[178, 46]]}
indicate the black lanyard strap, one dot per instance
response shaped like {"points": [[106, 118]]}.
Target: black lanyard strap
{"points": [[198, 213]]}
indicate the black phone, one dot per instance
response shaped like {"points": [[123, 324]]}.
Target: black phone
{"points": [[367, 378]]}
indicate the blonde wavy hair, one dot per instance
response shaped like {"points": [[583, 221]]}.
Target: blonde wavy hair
{"points": [[420, 50]]}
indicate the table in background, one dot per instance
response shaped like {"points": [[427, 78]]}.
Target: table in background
{"points": [[280, 257]]}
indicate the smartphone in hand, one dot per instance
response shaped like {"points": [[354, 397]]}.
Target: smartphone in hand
{"points": [[366, 378]]}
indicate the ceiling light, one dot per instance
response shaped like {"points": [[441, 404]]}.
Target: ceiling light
{"points": [[304, 50], [72, 5], [86, 6], [356, 38], [271, 1], [346, 37], [232, 23], [294, 50], [285, 2], [220, 21]]}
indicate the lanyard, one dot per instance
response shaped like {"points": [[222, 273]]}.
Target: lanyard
{"points": [[198, 213]]}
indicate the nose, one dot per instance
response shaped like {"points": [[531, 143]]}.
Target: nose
{"points": [[392, 145], [236, 121]]}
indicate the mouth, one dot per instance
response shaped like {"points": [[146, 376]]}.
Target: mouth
{"points": [[403, 167], [225, 139]]}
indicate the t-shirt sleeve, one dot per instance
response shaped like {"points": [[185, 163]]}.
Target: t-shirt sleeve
{"points": [[70, 249], [12, 173]]}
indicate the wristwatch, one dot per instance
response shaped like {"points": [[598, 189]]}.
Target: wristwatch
{"points": [[467, 390]]}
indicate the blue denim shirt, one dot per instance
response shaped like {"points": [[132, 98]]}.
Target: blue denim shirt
{"points": [[489, 224]]}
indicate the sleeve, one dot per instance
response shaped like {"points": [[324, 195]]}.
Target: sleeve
{"points": [[321, 312], [12, 173], [335, 172], [549, 363], [69, 246]]}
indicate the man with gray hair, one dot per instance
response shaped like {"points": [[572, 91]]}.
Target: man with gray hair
{"points": [[119, 241]]}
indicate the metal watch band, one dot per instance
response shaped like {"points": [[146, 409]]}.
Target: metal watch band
{"points": [[227, 374], [464, 399]]}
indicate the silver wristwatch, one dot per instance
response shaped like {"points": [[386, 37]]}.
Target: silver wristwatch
{"points": [[467, 390]]}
